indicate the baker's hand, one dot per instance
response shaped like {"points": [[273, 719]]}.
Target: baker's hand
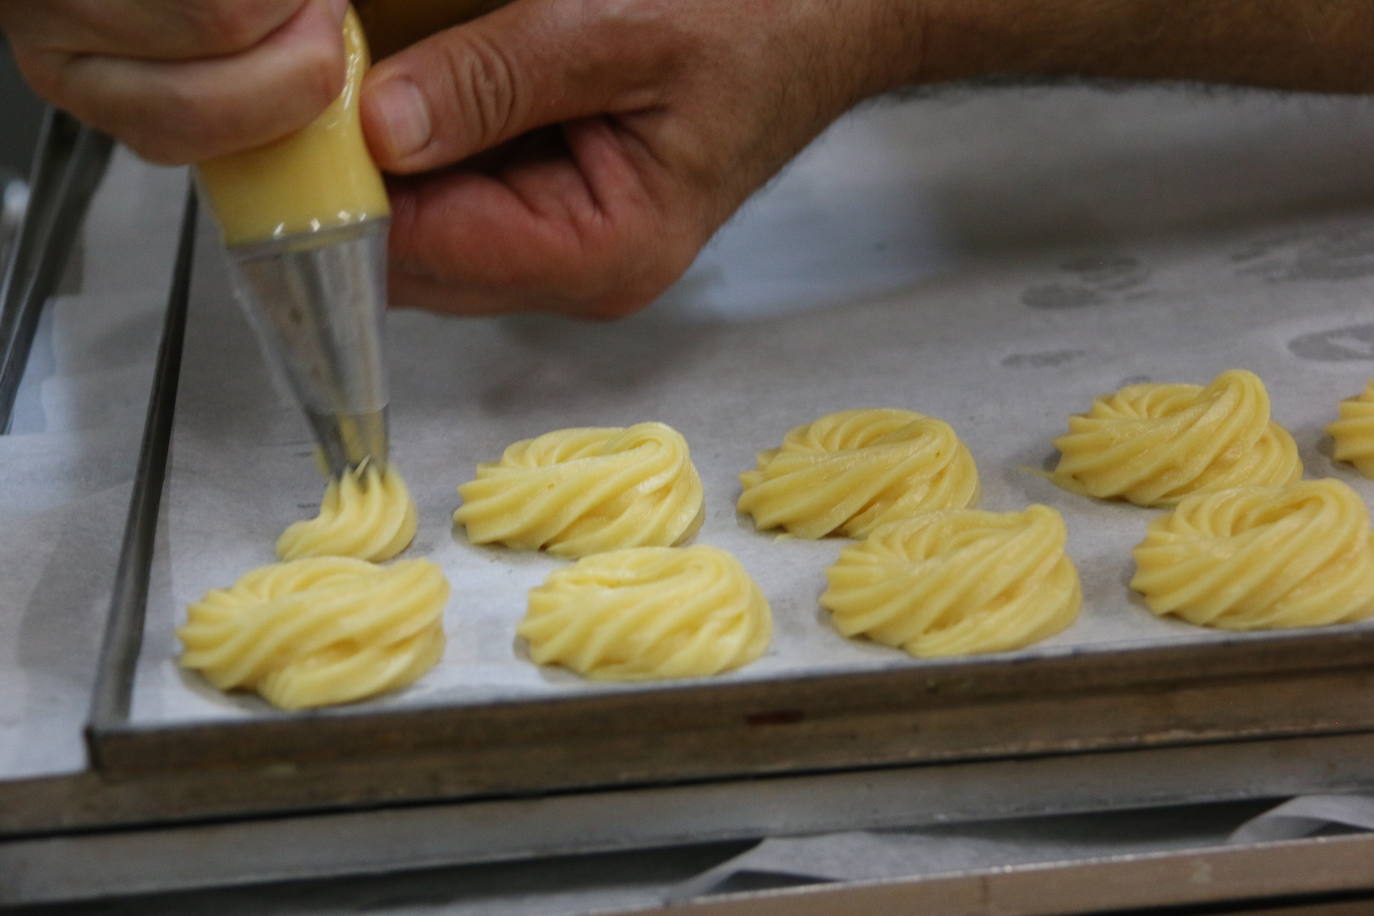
{"points": [[182, 80], [616, 137]]}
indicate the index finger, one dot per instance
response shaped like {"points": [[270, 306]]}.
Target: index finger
{"points": [[150, 29]]}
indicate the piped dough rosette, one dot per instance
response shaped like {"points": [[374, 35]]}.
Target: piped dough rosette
{"points": [[319, 631], [576, 492], [649, 613], [366, 514], [957, 582], [849, 472], [1154, 444], [1353, 433], [1261, 557]]}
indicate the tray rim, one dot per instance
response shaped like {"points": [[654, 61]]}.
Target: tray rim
{"points": [[327, 844]]}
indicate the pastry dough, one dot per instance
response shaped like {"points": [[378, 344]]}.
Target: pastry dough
{"points": [[647, 613], [320, 178], [576, 492], [1260, 557], [957, 582], [319, 631], [1353, 433], [365, 514], [849, 472], [1154, 444]]}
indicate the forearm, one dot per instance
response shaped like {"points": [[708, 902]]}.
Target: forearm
{"points": [[1317, 45], [672, 112]]}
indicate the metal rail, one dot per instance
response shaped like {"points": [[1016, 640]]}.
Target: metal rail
{"points": [[69, 165], [124, 624], [258, 850]]}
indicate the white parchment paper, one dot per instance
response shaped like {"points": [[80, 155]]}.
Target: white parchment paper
{"points": [[67, 466], [848, 285], [1306, 815]]}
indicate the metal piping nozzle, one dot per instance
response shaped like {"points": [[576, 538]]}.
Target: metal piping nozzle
{"points": [[318, 301]]}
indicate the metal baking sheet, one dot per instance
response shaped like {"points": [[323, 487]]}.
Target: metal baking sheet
{"points": [[876, 312]]}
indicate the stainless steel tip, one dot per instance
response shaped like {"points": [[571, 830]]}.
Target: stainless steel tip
{"points": [[318, 301]]}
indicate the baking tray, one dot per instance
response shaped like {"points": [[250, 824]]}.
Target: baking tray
{"points": [[1004, 361], [68, 166]]}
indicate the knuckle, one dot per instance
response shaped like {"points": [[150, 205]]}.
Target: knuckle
{"points": [[172, 131], [167, 125], [177, 104], [153, 136], [629, 274], [159, 151], [615, 306], [230, 26], [620, 299], [588, 282], [43, 76], [404, 240], [321, 73], [486, 86]]}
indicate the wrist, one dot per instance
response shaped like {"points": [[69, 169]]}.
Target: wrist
{"points": [[924, 42], [893, 46], [1289, 44], [968, 39]]}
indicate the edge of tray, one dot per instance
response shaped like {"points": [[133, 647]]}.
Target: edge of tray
{"points": [[1284, 684], [319, 847], [123, 638], [1284, 877], [67, 167]]}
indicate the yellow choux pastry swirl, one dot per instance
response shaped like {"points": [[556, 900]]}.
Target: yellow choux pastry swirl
{"points": [[957, 582], [1261, 557], [849, 472], [648, 613], [1154, 444], [366, 514], [1353, 433], [575, 492], [319, 631]]}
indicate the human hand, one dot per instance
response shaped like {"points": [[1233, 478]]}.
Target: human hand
{"points": [[616, 137], [182, 80]]}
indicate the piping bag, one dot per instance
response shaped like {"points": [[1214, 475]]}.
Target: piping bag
{"points": [[304, 222]]}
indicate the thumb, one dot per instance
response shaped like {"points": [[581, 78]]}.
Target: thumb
{"points": [[521, 67]]}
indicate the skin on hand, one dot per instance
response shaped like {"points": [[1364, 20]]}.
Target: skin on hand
{"points": [[616, 136], [181, 81], [575, 155]]}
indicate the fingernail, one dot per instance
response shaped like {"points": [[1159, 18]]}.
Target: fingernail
{"points": [[406, 127], [338, 9]]}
